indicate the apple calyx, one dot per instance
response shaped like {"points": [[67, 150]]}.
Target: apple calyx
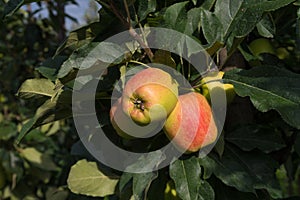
{"points": [[139, 104], [149, 96]]}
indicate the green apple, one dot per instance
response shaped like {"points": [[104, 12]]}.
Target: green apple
{"points": [[149, 96], [282, 53], [191, 125], [212, 86], [261, 45], [126, 128], [170, 191]]}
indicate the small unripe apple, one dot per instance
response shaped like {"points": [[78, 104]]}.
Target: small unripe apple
{"points": [[126, 128], [170, 191], [149, 96], [282, 53], [261, 45], [212, 87], [191, 125]]}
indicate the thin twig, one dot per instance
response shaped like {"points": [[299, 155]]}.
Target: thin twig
{"points": [[139, 39], [131, 30], [127, 12]]}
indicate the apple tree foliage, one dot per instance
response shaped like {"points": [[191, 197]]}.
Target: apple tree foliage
{"points": [[258, 153]]}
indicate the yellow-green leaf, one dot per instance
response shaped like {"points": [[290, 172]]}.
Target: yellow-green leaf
{"points": [[85, 178]]}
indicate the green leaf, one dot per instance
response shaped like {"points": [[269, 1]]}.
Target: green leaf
{"points": [[7, 130], [249, 137], [269, 88], [266, 27], [297, 144], [85, 178], [147, 162], [241, 17], [93, 56], [211, 26], [272, 5], [125, 178], [186, 175], [141, 183], [208, 166], [194, 2], [146, 7], [49, 67], [36, 87], [38, 159], [220, 145], [193, 21], [57, 193], [206, 192], [230, 193], [11, 7], [50, 111], [208, 4], [247, 171], [239, 20], [175, 16], [79, 37]]}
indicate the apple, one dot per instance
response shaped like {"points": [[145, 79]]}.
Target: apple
{"points": [[126, 128], [212, 86], [261, 45], [149, 96], [170, 191], [282, 53], [191, 125]]}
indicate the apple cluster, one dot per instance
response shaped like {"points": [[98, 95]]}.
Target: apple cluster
{"points": [[150, 102]]}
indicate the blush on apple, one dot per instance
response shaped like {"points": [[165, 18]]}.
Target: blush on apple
{"points": [[149, 96], [191, 125]]}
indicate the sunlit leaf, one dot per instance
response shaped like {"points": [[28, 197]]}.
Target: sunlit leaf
{"points": [[36, 87], [38, 159], [86, 178], [50, 66], [93, 56], [50, 111]]}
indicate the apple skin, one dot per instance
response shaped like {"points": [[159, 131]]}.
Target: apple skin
{"points": [[191, 125], [149, 96], [170, 191], [126, 128], [212, 87], [261, 45]]}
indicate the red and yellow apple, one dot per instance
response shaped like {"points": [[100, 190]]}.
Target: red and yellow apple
{"points": [[191, 125], [149, 96], [126, 128]]}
